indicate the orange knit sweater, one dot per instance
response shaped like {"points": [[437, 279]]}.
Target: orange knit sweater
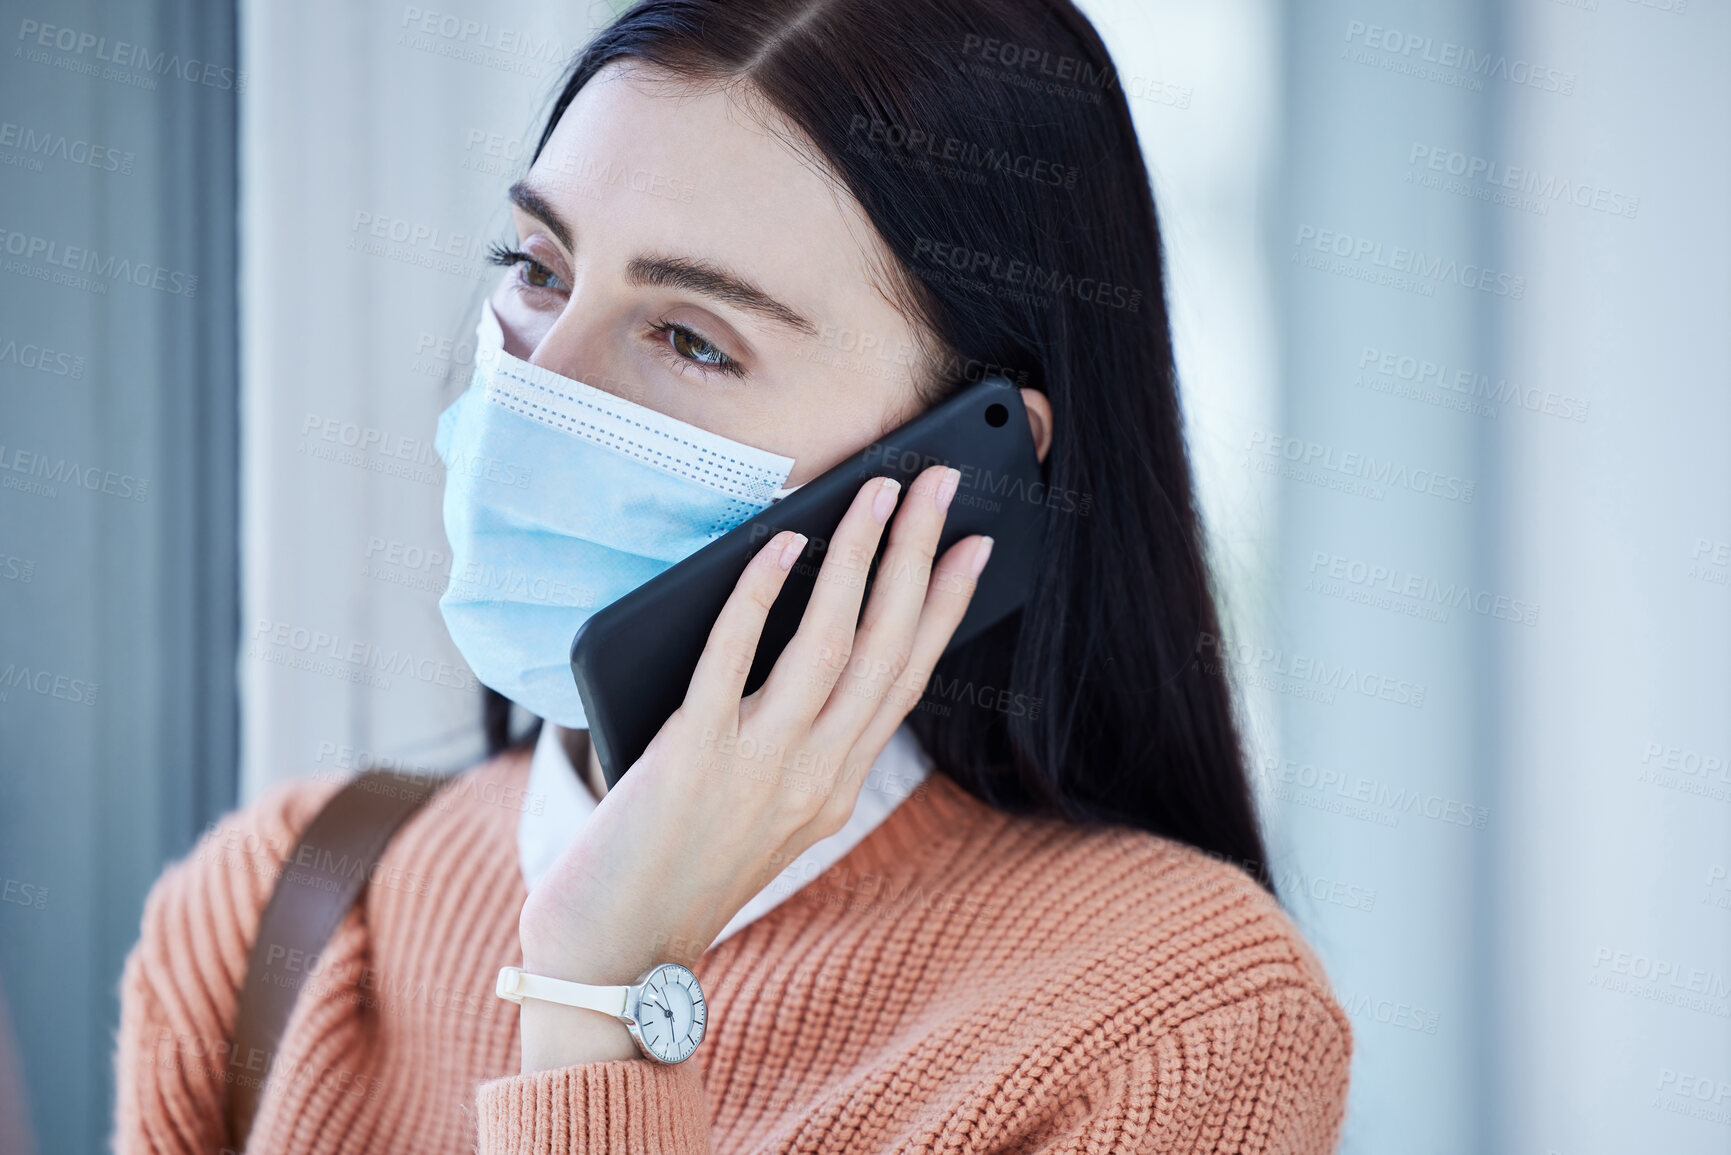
{"points": [[961, 981]]}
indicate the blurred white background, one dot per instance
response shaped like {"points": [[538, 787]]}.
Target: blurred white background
{"points": [[376, 147]]}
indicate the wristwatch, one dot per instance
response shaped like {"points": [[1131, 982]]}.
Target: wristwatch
{"points": [[664, 1010]]}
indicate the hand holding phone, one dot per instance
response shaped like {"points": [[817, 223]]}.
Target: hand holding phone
{"points": [[735, 785], [634, 659]]}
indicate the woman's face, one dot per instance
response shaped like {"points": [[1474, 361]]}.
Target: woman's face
{"points": [[674, 252]]}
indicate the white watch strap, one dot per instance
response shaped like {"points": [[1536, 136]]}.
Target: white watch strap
{"points": [[517, 984]]}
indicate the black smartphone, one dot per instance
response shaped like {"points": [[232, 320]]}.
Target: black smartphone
{"points": [[633, 659]]}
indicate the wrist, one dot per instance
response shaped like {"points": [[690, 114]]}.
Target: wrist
{"points": [[559, 1036], [663, 1013], [622, 962], [555, 1035], [595, 970]]}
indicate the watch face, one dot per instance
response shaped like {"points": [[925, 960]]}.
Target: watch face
{"points": [[671, 1013]]}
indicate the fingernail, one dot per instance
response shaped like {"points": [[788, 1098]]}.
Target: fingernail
{"points": [[947, 487], [981, 553], [885, 501], [791, 551]]}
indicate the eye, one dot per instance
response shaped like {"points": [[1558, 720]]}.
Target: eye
{"points": [[693, 348], [531, 273]]}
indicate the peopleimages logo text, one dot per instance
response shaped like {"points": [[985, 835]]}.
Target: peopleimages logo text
{"points": [[1398, 259], [35, 34], [30, 247], [1314, 455], [1459, 57]]}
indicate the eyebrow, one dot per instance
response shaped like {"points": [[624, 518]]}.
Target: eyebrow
{"points": [[704, 277], [716, 282], [526, 197]]}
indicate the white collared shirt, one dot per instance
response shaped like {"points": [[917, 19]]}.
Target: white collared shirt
{"points": [[545, 831]]}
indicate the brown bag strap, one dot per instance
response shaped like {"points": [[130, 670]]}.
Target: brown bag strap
{"points": [[319, 883]]}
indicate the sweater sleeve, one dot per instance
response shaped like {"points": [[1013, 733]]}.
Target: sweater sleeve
{"points": [[1264, 1076], [626, 1105], [181, 983]]}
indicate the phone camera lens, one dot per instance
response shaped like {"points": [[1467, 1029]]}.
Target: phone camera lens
{"points": [[996, 415]]}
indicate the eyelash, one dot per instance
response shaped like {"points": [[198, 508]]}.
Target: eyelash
{"points": [[499, 254], [667, 329], [502, 255]]}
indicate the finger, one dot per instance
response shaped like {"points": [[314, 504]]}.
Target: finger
{"points": [[885, 639], [948, 594], [719, 680], [952, 587], [808, 667]]}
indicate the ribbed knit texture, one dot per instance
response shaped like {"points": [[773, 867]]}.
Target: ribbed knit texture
{"points": [[961, 981]]}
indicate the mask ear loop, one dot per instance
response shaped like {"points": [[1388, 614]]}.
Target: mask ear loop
{"points": [[489, 336]]}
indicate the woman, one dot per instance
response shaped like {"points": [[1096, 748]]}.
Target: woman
{"points": [[1063, 937]]}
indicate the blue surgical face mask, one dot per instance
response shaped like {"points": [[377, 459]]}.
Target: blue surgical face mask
{"points": [[561, 498]]}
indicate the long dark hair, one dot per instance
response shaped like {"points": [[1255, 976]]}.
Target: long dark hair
{"points": [[990, 144]]}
